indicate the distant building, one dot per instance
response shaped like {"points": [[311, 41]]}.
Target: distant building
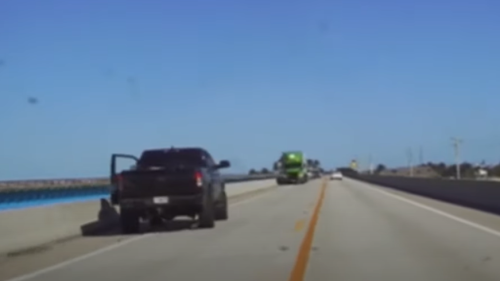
{"points": [[354, 165]]}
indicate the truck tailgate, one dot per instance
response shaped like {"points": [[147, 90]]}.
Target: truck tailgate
{"points": [[150, 183]]}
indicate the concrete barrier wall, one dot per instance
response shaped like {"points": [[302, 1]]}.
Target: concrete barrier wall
{"points": [[32, 227], [90, 182], [25, 196], [235, 189], [482, 195]]}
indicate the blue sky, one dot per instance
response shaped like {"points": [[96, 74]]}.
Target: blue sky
{"points": [[245, 79]]}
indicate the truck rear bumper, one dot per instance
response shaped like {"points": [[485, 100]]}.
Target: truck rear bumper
{"points": [[163, 202]]}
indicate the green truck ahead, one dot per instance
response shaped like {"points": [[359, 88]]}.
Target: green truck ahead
{"points": [[292, 168]]}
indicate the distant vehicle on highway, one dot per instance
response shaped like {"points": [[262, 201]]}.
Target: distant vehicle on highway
{"points": [[293, 168], [337, 175], [166, 183]]}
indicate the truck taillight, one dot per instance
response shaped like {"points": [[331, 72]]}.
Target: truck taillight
{"points": [[198, 177]]}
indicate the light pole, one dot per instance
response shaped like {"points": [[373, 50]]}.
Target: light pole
{"points": [[409, 156], [456, 149]]}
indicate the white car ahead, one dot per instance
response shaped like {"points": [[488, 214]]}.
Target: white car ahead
{"points": [[336, 176]]}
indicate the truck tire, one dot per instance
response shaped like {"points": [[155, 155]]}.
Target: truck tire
{"points": [[129, 221], [221, 211], [206, 218]]}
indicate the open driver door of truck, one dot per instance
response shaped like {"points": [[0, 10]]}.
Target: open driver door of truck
{"points": [[114, 177]]}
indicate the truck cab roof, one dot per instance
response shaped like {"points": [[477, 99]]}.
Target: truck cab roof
{"points": [[173, 148], [191, 156]]}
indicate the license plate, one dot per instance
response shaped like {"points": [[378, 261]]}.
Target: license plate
{"points": [[160, 200]]}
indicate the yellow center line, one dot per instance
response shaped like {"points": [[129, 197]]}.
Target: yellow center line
{"points": [[299, 268]]}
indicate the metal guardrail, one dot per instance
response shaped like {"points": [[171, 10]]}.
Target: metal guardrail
{"points": [[47, 192]]}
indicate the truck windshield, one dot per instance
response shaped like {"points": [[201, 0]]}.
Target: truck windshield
{"points": [[171, 157]]}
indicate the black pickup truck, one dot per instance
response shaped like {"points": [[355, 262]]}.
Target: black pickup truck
{"points": [[166, 183]]}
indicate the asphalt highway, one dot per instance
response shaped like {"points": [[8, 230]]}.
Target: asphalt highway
{"points": [[322, 230]]}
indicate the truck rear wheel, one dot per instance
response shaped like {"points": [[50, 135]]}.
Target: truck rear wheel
{"points": [[206, 218], [221, 211], [129, 221]]}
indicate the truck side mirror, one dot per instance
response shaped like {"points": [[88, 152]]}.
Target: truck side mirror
{"points": [[224, 164]]}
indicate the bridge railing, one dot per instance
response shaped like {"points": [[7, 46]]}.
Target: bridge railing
{"points": [[30, 193]]}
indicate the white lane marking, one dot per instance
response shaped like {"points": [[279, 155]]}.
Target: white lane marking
{"points": [[80, 258], [105, 249], [439, 212]]}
